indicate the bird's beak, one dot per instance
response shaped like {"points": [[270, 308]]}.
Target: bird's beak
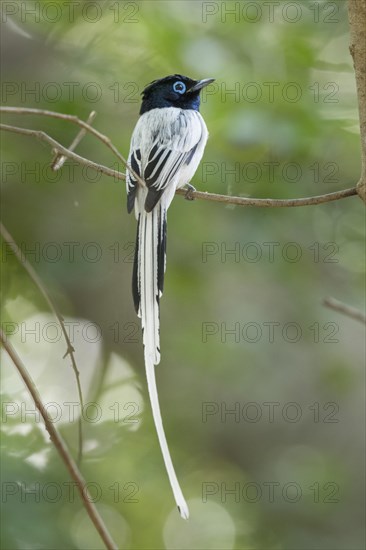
{"points": [[201, 84]]}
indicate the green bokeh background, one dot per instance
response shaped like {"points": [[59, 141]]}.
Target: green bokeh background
{"points": [[99, 56]]}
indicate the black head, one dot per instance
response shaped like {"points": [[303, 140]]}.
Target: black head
{"points": [[173, 91]]}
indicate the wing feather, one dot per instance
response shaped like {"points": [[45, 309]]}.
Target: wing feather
{"points": [[134, 161]]}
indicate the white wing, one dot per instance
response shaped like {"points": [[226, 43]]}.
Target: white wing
{"points": [[166, 148]]}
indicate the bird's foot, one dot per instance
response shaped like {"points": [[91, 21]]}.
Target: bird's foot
{"points": [[189, 193]]}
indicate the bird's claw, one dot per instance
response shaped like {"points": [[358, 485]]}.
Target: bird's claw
{"points": [[189, 193]]}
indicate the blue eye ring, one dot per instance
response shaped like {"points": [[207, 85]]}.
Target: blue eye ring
{"points": [[179, 87]]}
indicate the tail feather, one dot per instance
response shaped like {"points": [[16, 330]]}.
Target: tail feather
{"points": [[148, 282], [149, 306], [178, 495]]}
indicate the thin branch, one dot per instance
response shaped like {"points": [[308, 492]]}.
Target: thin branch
{"points": [[272, 203], [351, 312], [70, 118], [59, 160], [240, 201], [61, 447], [75, 120], [61, 149], [70, 349]]}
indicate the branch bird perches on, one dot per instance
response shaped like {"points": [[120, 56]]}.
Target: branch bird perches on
{"points": [[117, 175]]}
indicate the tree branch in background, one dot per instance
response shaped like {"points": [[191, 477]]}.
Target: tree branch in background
{"points": [[357, 23], [58, 148], [70, 349], [75, 120], [351, 312], [59, 160], [71, 118], [61, 447]]}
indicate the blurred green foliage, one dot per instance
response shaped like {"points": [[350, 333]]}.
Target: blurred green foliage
{"points": [[283, 123]]}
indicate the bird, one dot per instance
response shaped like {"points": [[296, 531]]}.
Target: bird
{"points": [[167, 145]]}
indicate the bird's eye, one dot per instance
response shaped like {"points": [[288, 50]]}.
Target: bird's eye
{"points": [[179, 87]]}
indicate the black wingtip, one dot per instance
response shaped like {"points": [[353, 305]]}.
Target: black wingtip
{"points": [[162, 249], [131, 200], [135, 282]]}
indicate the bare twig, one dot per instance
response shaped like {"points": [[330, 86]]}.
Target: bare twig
{"points": [[59, 148], [272, 203], [61, 447], [351, 312], [240, 201], [70, 118], [59, 160], [75, 120], [70, 349]]}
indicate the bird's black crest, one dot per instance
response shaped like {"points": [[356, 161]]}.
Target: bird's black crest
{"points": [[189, 82], [161, 93]]}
